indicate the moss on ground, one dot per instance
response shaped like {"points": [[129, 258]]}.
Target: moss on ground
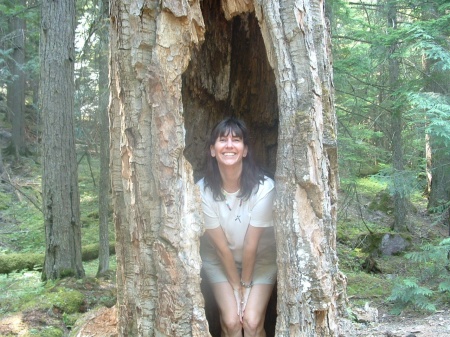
{"points": [[33, 261]]}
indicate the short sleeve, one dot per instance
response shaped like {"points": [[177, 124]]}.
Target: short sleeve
{"points": [[210, 212], [262, 209]]}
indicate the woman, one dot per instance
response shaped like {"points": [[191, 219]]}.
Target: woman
{"points": [[238, 248]]}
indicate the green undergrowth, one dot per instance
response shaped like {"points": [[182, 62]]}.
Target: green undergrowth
{"points": [[22, 229], [24, 291], [48, 309], [410, 280]]}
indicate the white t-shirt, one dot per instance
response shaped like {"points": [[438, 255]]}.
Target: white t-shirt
{"points": [[234, 215]]}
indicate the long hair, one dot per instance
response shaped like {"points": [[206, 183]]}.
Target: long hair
{"points": [[251, 175]]}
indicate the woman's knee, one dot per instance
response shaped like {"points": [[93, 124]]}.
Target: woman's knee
{"points": [[231, 323], [253, 323]]}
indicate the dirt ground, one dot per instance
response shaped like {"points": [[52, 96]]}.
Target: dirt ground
{"points": [[410, 325], [102, 323]]}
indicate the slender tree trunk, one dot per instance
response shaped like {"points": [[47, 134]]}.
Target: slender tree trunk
{"points": [[105, 182], [61, 200], [399, 196], [437, 154], [16, 89]]}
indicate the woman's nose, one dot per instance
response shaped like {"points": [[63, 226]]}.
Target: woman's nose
{"points": [[229, 142]]}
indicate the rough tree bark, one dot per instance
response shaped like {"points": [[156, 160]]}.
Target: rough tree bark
{"points": [[309, 281], [16, 88], [267, 62], [399, 194], [155, 206], [60, 196], [104, 185]]}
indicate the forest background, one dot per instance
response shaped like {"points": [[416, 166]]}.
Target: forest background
{"points": [[391, 63]]}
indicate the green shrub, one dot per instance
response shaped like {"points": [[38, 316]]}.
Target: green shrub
{"points": [[436, 265]]}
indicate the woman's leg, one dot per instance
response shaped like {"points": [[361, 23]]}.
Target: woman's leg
{"points": [[255, 310], [229, 318]]}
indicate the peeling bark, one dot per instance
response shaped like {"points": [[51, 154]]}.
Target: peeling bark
{"points": [[267, 62]]}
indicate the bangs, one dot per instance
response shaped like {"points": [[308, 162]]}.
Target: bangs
{"points": [[233, 129], [229, 126]]}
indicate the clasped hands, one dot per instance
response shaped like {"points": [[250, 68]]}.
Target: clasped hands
{"points": [[241, 295]]}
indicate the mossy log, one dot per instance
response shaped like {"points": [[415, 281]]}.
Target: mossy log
{"points": [[30, 261]]}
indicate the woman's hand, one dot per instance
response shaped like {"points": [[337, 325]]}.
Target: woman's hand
{"points": [[237, 297], [244, 299]]}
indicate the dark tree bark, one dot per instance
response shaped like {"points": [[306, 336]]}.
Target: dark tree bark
{"points": [[437, 154], [61, 199], [400, 197], [16, 88]]}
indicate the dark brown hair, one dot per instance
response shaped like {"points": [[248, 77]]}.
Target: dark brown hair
{"points": [[251, 175]]}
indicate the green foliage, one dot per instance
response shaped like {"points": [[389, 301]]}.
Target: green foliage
{"points": [[366, 286], [49, 331], [19, 288], [31, 16], [435, 264], [408, 292], [398, 183], [437, 114], [66, 300]]}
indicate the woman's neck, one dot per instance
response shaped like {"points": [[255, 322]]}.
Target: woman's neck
{"points": [[231, 178]]}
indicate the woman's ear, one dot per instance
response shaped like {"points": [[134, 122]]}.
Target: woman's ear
{"points": [[212, 150], [244, 154]]}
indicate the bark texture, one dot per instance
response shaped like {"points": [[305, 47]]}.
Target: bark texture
{"points": [[16, 88], [267, 62], [310, 286], [61, 199], [104, 186], [155, 201]]}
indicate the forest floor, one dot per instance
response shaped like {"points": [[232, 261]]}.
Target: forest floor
{"points": [[26, 310], [407, 325]]}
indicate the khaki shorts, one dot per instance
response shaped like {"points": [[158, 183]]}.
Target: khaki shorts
{"points": [[264, 272]]}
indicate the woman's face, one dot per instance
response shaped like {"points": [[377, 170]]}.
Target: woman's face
{"points": [[229, 150]]}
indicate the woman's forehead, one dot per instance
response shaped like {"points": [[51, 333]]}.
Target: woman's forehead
{"points": [[235, 132]]}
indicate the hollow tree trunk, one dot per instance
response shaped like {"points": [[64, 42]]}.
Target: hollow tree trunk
{"points": [[155, 200], [309, 282], [265, 62]]}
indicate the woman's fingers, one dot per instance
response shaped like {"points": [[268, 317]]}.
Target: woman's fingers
{"points": [[237, 296], [245, 296]]}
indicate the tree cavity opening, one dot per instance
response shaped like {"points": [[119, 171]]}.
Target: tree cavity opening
{"points": [[229, 75]]}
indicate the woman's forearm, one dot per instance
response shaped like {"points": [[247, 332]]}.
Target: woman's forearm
{"points": [[229, 265], [248, 264]]}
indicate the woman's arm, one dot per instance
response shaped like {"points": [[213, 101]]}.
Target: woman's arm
{"points": [[249, 253], [220, 242]]}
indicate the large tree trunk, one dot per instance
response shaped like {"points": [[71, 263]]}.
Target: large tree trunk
{"points": [[309, 282], [155, 200], [270, 65], [61, 200]]}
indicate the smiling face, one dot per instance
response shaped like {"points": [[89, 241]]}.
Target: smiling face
{"points": [[229, 150]]}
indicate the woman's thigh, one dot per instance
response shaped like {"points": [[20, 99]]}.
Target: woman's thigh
{"points": [[257, 303], [224, 295]]}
